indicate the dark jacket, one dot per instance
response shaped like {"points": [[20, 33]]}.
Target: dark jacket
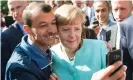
{"points": [[127, 45], [9, 20], [26, 63], [88, 33], [9, 40]]}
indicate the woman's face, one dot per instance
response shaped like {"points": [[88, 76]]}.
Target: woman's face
{"points": [[70, 35]]}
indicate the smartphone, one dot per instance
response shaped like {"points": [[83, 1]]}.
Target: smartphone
{"points": [[112, 57]]}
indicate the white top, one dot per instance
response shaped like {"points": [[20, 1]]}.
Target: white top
{"points": [[118, 37]]}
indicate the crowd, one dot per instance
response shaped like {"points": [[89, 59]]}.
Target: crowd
{"points": [[67, 40]]}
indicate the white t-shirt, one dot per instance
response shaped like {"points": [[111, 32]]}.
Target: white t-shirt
{"points": [[118, 37]]}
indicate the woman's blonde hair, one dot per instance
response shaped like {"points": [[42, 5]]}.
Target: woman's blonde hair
{"points": [[67, 13]]}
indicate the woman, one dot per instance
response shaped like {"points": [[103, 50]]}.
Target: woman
{"points": [[75, 58]]}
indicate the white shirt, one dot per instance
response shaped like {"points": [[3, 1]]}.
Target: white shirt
{"points": [[118, 37], [89, 12], [98, 35]]}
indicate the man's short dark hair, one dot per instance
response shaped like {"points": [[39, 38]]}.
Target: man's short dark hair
{"points": [[107, 3], [31, 8]]}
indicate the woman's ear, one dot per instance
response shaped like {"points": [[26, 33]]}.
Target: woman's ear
{"points": [[27, 29]]}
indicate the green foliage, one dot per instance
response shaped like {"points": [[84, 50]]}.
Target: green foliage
{"points": [[4, 7]]}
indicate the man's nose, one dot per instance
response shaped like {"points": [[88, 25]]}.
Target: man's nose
{"points": [[52, 28], [100, 13], [119, 13]]}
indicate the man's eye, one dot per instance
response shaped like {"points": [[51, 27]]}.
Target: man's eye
{"points": [[19, 7], [12, 9], [54, 23], [43, 25], [115, 9], [97, 11], [104, 10], [122, 8]]}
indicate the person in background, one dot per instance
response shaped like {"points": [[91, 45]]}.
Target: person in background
{"points": [[68, 2], [88, 9], [59, 2], [102, 10], [12, 36], [51, 3], [3, 23], [78, 3], [31, 59], [75, 58], [121, 11], [127, 45], [117, 6]]}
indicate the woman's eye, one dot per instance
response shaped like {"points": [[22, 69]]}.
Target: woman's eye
{"points": [[77, 29], [65, 29]]}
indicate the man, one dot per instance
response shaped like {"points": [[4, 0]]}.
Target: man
{"points": [[102, 11], [127, 45], [121, 10], [12, 36], [78, 3], [31, 59], [59, 2], [88, 9], [3, 23]]}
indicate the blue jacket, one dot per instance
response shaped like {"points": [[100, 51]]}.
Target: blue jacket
{"points": [[89, 59], [10, 38], [26, 63]]}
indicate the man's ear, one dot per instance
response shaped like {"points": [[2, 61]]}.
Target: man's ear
{"points": [[27, 29]]}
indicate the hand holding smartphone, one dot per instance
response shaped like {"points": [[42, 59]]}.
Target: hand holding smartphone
{"points": [[112, 57]]}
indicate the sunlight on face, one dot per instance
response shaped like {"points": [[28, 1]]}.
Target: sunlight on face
{"points": [[16, 9], [101, 12], [121, 10]]}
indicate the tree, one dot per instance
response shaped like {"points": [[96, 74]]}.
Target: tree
{"points": [[4, 7]]}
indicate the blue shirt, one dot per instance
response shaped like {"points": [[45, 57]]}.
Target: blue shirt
{"points": [[22, 27], [89, 59]]}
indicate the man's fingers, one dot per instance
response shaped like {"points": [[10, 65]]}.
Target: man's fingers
{"points": [[52, 77], [110, 69], [120, 73], [123, 77], [55, 76]]}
